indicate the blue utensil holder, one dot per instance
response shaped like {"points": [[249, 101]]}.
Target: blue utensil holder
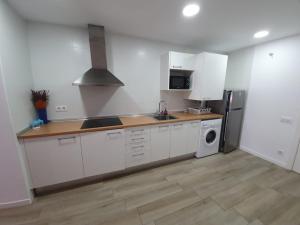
{"points": [[42, 114]]}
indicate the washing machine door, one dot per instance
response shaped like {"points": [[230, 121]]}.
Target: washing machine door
{"points": [[210, 136]]}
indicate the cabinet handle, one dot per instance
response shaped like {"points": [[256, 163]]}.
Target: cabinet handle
{"points": [[177, 67], [66, 140], [140, 146], [162, 127], [137, 139], [140, 154], [134, 131], [114, 133]]}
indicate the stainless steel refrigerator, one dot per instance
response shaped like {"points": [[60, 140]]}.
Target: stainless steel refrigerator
{"points": [[232, 107]]}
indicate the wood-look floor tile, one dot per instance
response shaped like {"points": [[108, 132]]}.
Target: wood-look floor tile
{"points": [[153, 194], [291, 186], [229, 217], [162, 207], [138, 185], [20, 215], [221, 184], [270, 178], [236, 194], [278, 213], [256, 205], [256, 222], [93, 216], [192, 214], [128, 218], [248, 171]]}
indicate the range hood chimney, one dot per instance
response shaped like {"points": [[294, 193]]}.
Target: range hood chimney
{"points": [[98, 75]]}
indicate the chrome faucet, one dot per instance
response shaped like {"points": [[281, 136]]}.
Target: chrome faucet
{"points": [[159, 106]]}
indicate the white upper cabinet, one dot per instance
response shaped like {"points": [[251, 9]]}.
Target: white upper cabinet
{"points": [[181, 61], [54, 160], [208, 79], [103, 152]]}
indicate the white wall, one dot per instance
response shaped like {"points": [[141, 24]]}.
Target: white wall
{"points": [[60, 54], [239, 69], [274, 95], [13, 189], [15, 106], [16, 66]]}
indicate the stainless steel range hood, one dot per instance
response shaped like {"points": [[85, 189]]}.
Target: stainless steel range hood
{"points": [[98, 75]]}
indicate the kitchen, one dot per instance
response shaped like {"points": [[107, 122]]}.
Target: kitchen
{"points": [[50, 51]]}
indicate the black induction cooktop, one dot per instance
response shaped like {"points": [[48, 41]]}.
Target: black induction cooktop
{"points": [[101, 122]]}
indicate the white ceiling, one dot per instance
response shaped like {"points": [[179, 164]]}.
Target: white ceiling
{"points": [[221, 25]]}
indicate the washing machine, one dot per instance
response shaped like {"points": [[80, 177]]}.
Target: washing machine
{"points": [[209, 137]]}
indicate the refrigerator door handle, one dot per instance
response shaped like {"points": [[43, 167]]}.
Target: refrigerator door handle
{"points": [[225, 129], [235, 109]]}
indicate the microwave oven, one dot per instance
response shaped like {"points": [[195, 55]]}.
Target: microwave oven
{"points": [[179, 82]]}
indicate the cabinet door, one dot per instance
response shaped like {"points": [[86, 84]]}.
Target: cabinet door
{"points": [[181, 61], [213, 79], [193, 136], [209, 77], [103, 152], [178, 139], [54, 160], [160, 142]]}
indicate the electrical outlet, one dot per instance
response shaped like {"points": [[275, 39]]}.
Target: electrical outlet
{"points": [[61, 108], [286, 120], [280, 152]]}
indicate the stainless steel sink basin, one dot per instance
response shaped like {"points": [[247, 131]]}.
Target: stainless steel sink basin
{"points": [[164, 117]]}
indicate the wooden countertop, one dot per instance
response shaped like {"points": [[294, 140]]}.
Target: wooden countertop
{"points": [[73, 127]]}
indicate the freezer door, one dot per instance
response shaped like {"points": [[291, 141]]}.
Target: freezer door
{"points": [[232, 130], [237, 100]]}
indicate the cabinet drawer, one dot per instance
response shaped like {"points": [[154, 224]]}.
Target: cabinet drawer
{"points": [[137, 140], [143, 147], [137, 132], [178, 126], [161, 129], [138, 158]]}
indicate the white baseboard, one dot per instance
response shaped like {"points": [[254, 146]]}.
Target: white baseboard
{"points": [[267, 158], [15, 203]]}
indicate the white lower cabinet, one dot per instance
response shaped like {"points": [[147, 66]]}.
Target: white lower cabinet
{"points": [[138, 149], [103, 152], [193, 136], [160, 142], [60, 159], [178, 139], [54, 160]]}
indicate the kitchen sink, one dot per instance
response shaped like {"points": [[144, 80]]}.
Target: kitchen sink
{"points": [[101, 122], [164, 117]]}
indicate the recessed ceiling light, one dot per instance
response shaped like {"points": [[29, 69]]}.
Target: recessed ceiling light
{"points": [[191, 10], [261, 34]]}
